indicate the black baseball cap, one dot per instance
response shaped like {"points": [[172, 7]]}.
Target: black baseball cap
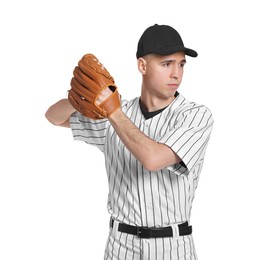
{"points": [[162, 40]]}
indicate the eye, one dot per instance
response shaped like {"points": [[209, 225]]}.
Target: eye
{"points": [[166, 64], [182, 65]]}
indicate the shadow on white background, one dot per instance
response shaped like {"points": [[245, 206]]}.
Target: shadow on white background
{"points": [[53, 191]]}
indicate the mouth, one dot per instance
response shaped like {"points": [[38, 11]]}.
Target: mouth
{"points": [[173, 85]]}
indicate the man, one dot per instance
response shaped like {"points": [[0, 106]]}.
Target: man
{"points": [[154, 148]]}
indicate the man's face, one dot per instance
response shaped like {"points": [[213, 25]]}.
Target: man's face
{"points": [[163, 74]]}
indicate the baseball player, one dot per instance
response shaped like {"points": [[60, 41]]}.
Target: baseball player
{"points": [[154, 147]]}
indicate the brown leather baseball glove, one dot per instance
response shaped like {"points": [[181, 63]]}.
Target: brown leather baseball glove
{"points": [[89, 80]]}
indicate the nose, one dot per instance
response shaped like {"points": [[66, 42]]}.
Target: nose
{"points": [[174, 72]]}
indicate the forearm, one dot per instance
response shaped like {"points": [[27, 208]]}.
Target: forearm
{"points": [[152, 155], [59, 113]]}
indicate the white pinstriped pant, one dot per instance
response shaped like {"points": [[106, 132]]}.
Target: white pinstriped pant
{"points": [[122, 246]]}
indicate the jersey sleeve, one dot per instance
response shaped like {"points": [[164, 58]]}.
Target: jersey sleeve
{"points": [[88, 130], [189, 137]]}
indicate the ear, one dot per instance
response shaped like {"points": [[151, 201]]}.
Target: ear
{"points": [[142, 66]]}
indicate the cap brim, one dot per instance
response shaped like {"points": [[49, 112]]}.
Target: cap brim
{"points": [[173, 49]]}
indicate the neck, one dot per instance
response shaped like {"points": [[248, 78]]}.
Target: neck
{"points": [[154, 103]]}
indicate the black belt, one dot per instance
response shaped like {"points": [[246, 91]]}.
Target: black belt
{"points": [[145, 232]]}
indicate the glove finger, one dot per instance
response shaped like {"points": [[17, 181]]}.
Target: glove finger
{"points": [[84, 107], [72, 99], [76, 99], [91, 66], [81, 90], [86, 81], [93, 114]]}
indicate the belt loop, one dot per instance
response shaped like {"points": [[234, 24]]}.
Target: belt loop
{"points": [[111, 222], [115, 226], [175, 230]]}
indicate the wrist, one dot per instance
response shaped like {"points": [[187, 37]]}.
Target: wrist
{"points": [[116, 115]]}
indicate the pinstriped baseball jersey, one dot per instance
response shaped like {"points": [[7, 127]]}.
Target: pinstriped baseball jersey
{"points": [[154, 199]]}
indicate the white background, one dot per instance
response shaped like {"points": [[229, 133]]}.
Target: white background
{"points": [[53, 191]]}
